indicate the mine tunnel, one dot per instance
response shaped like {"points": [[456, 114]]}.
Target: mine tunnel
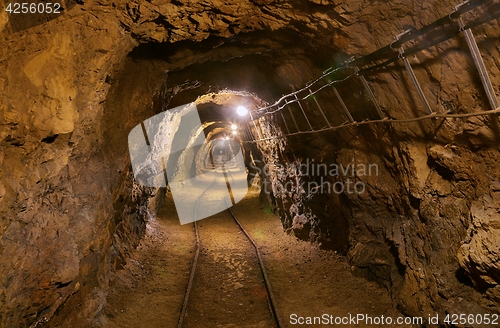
{"points": [[251, 164]]}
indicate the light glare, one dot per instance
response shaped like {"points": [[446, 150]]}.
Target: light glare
{"points": [[233, 126], [242, 111]]}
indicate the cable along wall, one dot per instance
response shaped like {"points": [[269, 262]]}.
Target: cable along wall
{"points": [[302, 105]]}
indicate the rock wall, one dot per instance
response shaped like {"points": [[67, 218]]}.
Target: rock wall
{"points": [[426, 225]]}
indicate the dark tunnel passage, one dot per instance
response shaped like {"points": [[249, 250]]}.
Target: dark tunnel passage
{"points": [[254, 164], [252, 72], [230, 74]]}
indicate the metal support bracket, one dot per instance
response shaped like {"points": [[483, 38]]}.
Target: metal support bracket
{"points": [[293, 118], [370, 93], [303, 112], [414, 80], [478, 61], [249, 132], [346, 110], [320, 109], [284, 121]]}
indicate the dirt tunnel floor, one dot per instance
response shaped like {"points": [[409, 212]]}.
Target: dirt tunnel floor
{"points": [[306, 281]]}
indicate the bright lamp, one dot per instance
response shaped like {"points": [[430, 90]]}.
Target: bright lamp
{"points": [[242, 111]]}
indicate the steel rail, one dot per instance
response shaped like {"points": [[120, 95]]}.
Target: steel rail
{"points": [[271, 299], [183, 312], [270, 296]]}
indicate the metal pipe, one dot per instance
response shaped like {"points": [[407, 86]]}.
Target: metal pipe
{"points": [[304, 112], [413, 78], [478, 61], [284, 121], [293, 118], [320, 109], [249, 131], [370, 94], [346, 110]]}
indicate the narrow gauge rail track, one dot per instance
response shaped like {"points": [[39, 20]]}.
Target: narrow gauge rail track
{"points": [[226, 172]]}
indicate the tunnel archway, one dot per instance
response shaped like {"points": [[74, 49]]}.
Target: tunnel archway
{"points": [[310, 219]]}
